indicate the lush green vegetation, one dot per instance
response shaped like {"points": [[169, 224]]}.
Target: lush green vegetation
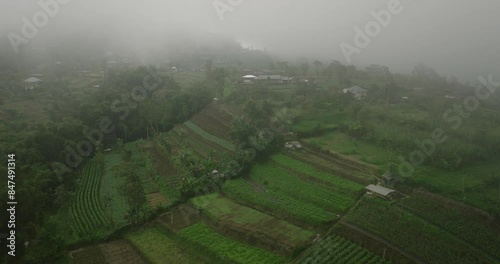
{"points": [[309, 170], [225, 248], [287, 194], [335, 249], [72, 199], [87, 213], [210, 137], [477, 229], [114, 204], [89, 255], [159, 248], [250, 220], [412, 234]]}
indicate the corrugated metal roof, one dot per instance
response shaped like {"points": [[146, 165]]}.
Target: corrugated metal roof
{"points": [[379, 189]]}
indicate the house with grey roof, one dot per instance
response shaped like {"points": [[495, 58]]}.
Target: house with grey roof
{"points": [[357, 91], [31, 83]]}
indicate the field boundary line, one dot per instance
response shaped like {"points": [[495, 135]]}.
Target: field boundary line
{"points": [[397, 249]]}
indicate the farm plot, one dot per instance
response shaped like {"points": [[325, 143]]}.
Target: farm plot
{"points": [[113, 203], [323, 176], [279, 180], [212, 125], [276, 204], [226, 249], [412, 234], [87, 213], [207, 136], [90, 255], [168, 179], [251, 221], [479, 229], [187, 138], [120, 252], [335, 249], [156, 200], [350, 170], [285, 194], [145, 168], [179, 218], [159, 248]]}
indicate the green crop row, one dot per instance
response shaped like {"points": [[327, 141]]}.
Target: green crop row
{"points": [[335, 249], [464, 224], [305, 168], [218, 207], [412, 234], [86, 211], [225, 248], [276, 203], [278, 180], [204, 134], [113, 202], [159, 248]]}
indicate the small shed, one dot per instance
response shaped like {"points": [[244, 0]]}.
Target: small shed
{"points": [[380, 190], [31, 83], [357, 91]]}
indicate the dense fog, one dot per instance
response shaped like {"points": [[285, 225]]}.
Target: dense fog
{"points": [[457, 38]]}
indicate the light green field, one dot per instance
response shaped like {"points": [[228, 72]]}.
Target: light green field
{"points": [[246, 218], [225, 248], [343, 144], [467, 185], [159, 248]]}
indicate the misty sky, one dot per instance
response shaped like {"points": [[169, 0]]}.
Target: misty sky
{"points": [[456, 37]]}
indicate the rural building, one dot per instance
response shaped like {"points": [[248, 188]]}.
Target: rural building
{"points": [[357, 91], [248, 79], [380, 190], [274, 79], [31, 83], [293, 145]]}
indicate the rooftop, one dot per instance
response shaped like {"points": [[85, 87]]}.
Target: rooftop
{"points": [[379, 189], [32, 80]]}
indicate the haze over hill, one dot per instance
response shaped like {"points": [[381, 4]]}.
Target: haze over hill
{"points": [[457, 38]]}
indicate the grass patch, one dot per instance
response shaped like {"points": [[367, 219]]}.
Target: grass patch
{"points": [[225, 248]]}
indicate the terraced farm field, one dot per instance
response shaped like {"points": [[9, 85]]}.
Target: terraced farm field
{"points": [[185, 138], [285, 194], [159, 248], [473, 226], [250, 222], [413, 235], [87, 212], [120, 252], [215, 121], [113, 202], [91, 255], [341, 166], [226, 249], [328, 178], [207, 136], [335, 249]]}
